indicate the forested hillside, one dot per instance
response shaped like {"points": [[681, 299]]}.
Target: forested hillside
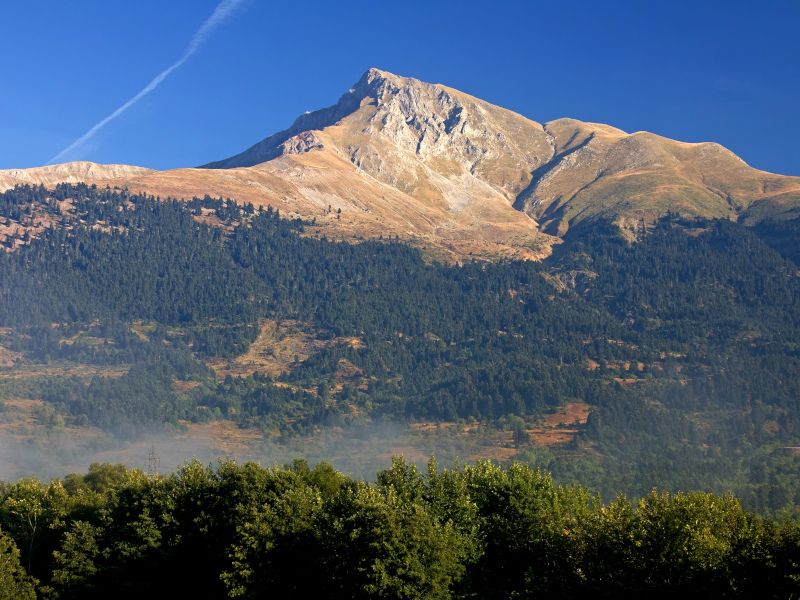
{"points": [[683, 345]]}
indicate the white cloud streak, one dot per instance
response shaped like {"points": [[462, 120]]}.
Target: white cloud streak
{"points": [[223, 10]]}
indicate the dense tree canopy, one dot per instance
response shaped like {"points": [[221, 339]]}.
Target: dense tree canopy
{"points": [[245, 531]]}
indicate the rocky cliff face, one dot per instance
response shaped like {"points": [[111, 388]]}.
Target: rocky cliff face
{"points": [[422, 139], [410, 117]]}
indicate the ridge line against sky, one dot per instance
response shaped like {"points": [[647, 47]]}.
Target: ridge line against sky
{"points": [[223, 10]]}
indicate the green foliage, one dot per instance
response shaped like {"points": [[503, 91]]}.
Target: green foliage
{"points": [[31, 512], [527, 526], [15, 584], [379, 545], [147, 388], [245, 531]]}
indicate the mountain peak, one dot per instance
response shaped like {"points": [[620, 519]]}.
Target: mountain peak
{"points": [[409, 110], [369, 86], [373, 84], [374, 73]]}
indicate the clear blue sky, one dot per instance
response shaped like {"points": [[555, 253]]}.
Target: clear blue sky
{"points": [[726, 71]]}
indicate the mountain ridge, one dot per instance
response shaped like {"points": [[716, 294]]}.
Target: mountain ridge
{"points": [[448, 171], [69, 172]]}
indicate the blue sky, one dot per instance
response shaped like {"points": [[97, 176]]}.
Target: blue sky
{"points": [[695, 71]]}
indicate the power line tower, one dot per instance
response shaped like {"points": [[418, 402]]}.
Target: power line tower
{"points": [[153, 462]]}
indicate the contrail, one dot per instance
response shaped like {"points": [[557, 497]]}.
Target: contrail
{"points": [[223, 11]]}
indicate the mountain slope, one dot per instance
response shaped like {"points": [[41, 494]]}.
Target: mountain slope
{"points": [[600, 171]]}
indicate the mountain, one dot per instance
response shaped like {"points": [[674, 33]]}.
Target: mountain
{"points": [[431, 141], [455, 174]]}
